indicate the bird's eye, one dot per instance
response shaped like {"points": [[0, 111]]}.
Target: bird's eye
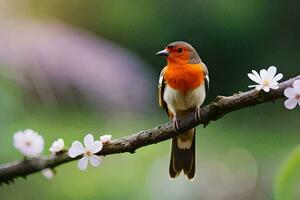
{"points": [[179, 50]]}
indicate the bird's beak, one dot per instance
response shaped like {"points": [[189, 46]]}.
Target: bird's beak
{"points": [[163, 53]]}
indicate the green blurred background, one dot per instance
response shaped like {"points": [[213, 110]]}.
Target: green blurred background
{"points": [[68, 68]]}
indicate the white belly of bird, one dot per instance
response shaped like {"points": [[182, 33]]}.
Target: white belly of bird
{"points": [[178, 101]]}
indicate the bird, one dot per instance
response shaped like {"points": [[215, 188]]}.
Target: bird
{"points": [[182, 88]]}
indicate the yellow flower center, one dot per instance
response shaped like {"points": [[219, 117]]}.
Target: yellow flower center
{"points": [[266, 83]]}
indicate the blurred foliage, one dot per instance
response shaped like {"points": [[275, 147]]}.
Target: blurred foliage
{"points": [[232, 37], [287, 181]]}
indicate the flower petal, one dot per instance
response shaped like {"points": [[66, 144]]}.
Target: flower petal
{"points": [[271, 72], [18, 138], [266, 88], [296, 85], [251, 86], [290, 103], [258, 87], [88, 141], [76, 149], [273, 82], [274, 86], [57, 146], [255, 73], [105, 138], [48, 173], [254, 78], [82, 164], [96, 147], [95, 160], [263, 74], [278, 77], [289, 92]]}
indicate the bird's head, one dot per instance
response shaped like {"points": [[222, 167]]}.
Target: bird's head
{"points": [[180, 53]]}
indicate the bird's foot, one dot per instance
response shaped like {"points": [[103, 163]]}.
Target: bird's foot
{"points": [[175, 121], [198, 114]]}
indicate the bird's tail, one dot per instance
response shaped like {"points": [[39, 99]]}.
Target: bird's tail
{"points": [[183, 155]]}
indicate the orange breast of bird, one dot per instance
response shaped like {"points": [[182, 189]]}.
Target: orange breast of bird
{"points": [[184, 77]]}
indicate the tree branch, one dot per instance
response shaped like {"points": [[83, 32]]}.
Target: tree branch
{"points": [[213, 111]]}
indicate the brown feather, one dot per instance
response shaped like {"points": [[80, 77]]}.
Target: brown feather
{"points": [[182, 159], [161, 88]]}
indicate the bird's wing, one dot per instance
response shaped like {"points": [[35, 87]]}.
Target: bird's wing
{"points": [[206, 78], [161, 88]]}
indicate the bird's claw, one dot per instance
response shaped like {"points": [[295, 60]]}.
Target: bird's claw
{"points": [[198, 114], [175, 121]]}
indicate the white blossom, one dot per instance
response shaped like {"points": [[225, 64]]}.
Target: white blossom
{"points": [[88, 151], [29, 143], [105, 138], [57, 146], [48, 173], [266, 79], [293, 95]]}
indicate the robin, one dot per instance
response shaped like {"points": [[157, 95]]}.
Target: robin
{"points": [[183, 86]]}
